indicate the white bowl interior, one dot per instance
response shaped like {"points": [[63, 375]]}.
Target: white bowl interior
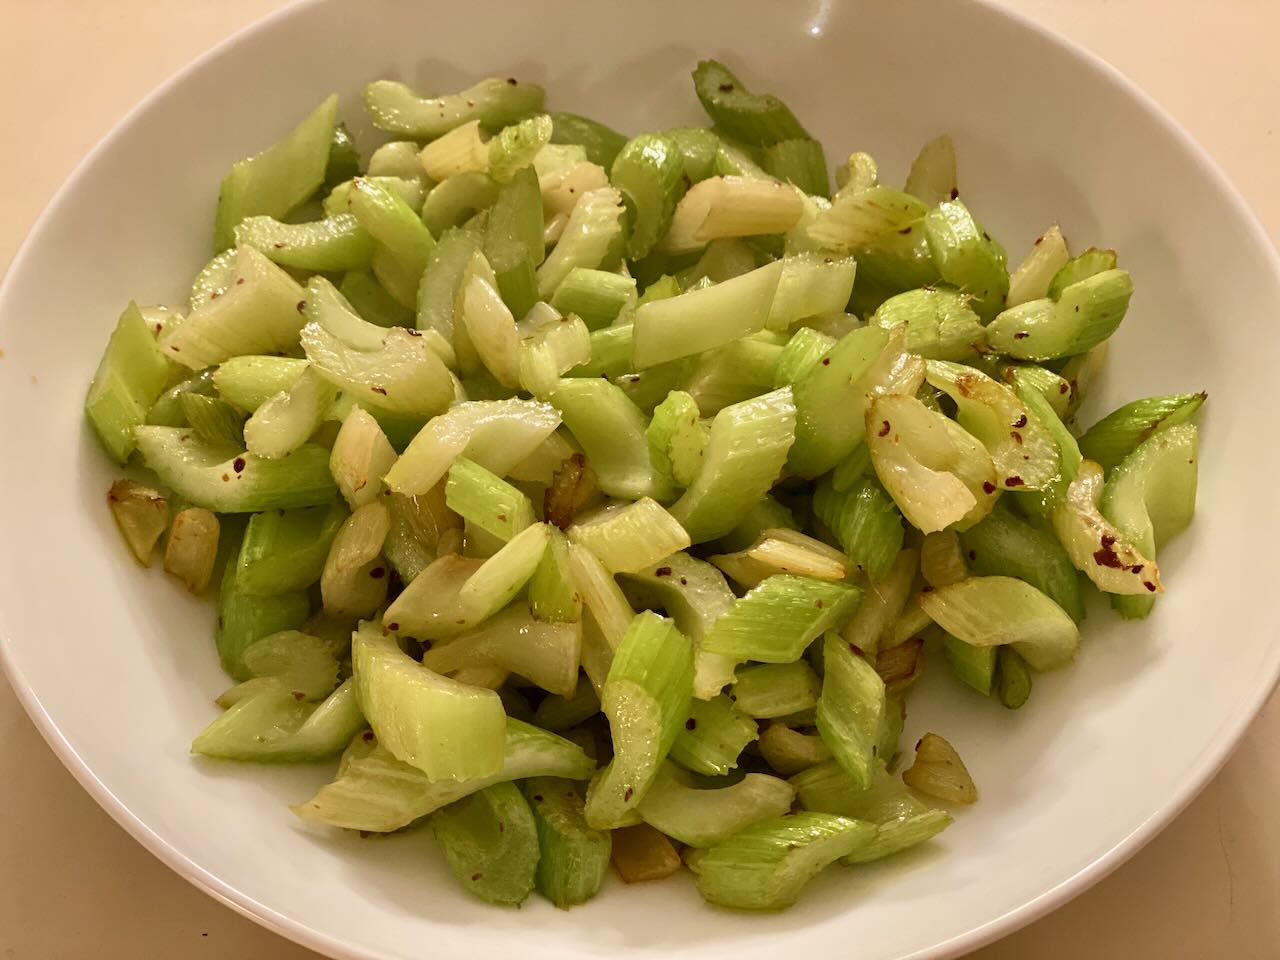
{"points": [[118, 667]]}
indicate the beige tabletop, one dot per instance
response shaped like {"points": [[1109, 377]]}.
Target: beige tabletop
{"points": [[74, 885]]}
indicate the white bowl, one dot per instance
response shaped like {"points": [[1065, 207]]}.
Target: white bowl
{"points": [[117, 668]]}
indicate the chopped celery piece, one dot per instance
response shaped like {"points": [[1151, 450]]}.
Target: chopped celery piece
{"points": [[213, 419], [1120, 432], [482, 498], [734, 373], [1031, 279], [601, 143], [966, 257], [990, 611], [558, 712], [704, 817], [1092, 261], [649, 172], [513, 241], [360, 458], [731, 206], [746, 450], [244, 618], [851, 709], [448, 730], [335, 243], [788, 751], [630, 537], [783, 551], [213, 279], [422, 528], [226, 480], [303, 664], [286, 421], [756, 119], [398, 230], [557, 346], [828, 788], [399, 158], [249, 382], [494, 102], [973, 665], [594, 226], [942, 559], [273, 726], [799, 161], [353, 583], [141, 513], [933, 172], [279, 179], [456, 199], [1087, 313], [775, 621], [344, 158], [380, 794], [765, 866], [713, 738], [857, 218], [546, 654], [490, 841], [574, 857], [940, 324], [768, 690], [939, 772], [810, 285], [698, 147], [1013, 677], [595, 296], [1098, 549], [865, 521], [646, 697], [515, 146], [408, 189], [504, 574], [803, 352], [429, 608], [677, 438], [553, 595], [285, 550], [130, 378]]}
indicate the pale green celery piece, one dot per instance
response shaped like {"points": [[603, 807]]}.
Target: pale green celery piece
{"points": [[360, 457], [447, 267], [660, 289], [605, 617], [514, 147], [811, 284], [213, 420], [974, 666], [1022, 447], [858, 218], [1046, 500], [334, 243], [828, 400], [1087, 264], [746, 450], [783, 551], [630, 537], [130, 377], [497, 434], [303, 664], [940, 324], [595, 226], [504, 574], [705, 816], [597, 297], [1032, 278], [789, 751], [513, 242], [694, 594], [273, 726], [698, 147], [1053, 389], [611, 430], [286, 421], [428, 608], [765, 866], [258, 313], [851, 709], [244, 618], [575, 857], [610, 353], [554, 349], [344, 158], [602, 144], [896, 262], [932, 177], [213, 279], [248, 382], [553, 595], [399, 158], [168, 410], [736, 159], [456, 199], [828, 788], [756, 119], [966, 257], [545, 654], [558, 713], [769, 690], [734, 373], [722, 260], [777, 620], [882, 603], [280, 178], [398, 229], [224, 479], [894, 836], [482, 498], [1086, 314], [857, 173], [490, 842], [1151, 496], [895, 718], [648, 389], [408, 189], [677, 438], [380, 794], [701, 320], [803, 352], [713, 739], [865, 521], [448, 730], [649, 172], [646, 697], [1095, 546], [1120, 432], [558, 157], [1002, 544], [284, 550], [799, 161], [991, 611], [1013, 677], [852, 468], [1080, 372], [353, 583], [495, 102]]}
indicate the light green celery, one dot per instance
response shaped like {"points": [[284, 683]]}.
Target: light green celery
{"points": [[777, 620], [722, 260], [828, 788], [865, 521], [713, 737], [335, 243], [734, 373], [974, 666], [610, 353], [495, 102], [557, 712], [513, 148], [703, 817], [380, 794], [446, 729], [698, 147], [940, 324], [272, 726], [429, 607], [789, 751], [258, 313], [575, 857], [701, 320], [966, 257], [248, 382], [497, 434], [213, 279], [828, 401], [852, 468], [601, 143], [606, 617], [344, 159], [284, 551], [769, 690], [1081, 267], [611, 430], [553, 349], [130, 378], [399, 231], [646, 697], [213, 420], [244, 618], [597, 297], [649, 172], [438, 293], [286, 421], [677, 438], [399, 158], [1053, 389], [660, 289], [803, 352], [810, 284], [456, 199], [1087, 313], [783, 551], [932, 177], [482, 498], [1044, 501], [857, 218], [1013, 678], [990, 611], [504, 574], [553, 595], [765, 866], [1031, 279], [799, 161], [1120, 432], [490, 842], [744, 456], [353, 583], [546, 654], [558, 157], [280, 178], [756, 119], [513, 242], [594, 226], [305, 665], [630, 537], [408, 189], [851, 709]]}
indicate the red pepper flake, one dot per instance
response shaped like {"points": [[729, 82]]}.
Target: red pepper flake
{"points": [[691, 724], [240, 280], [238, 464], [1037, 243], [226, 478], [367, 736], [278, 246], [537, 797], [1017, 437], [302, 305], [662, 572], [818, 604], [1136, 568], [1149, 585], [927, 588], [476, 876], [502, 517], [1014, 481], [684, 582], [884, 428], [378, 573], [1064, 388], [627, 794], [726, 88], [379, 390], [988, 487], [1021, 421], [299, 696], [1108, 539], [1021, 335], [502, 827], [1106, 557], [904, 231], [826, 361], [414, 333]]}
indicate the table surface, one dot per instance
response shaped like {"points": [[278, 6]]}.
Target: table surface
{"points": [[74, 885]]}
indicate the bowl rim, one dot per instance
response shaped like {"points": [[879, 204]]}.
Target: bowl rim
{"points": [[1204, 770]]}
